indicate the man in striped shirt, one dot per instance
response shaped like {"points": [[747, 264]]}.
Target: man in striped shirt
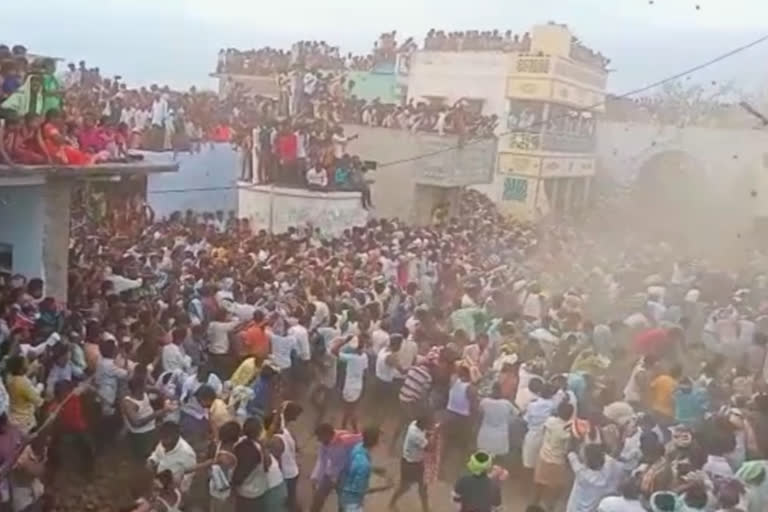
{"points": [[413, 397]]}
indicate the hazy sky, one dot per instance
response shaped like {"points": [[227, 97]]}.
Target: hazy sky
{"points": [[176, 41]]}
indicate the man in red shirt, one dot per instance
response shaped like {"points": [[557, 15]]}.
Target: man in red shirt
{"points": [[287, 153], [70, 427], [255, 339], [658, 341]]}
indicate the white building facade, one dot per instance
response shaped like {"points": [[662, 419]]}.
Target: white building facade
{"points": [[548, 100]]}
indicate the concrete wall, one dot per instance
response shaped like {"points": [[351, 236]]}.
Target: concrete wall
{"points": [[279, 208], [22, 217], [393, 189], [205, 181], [454, 75], [722, 153]]}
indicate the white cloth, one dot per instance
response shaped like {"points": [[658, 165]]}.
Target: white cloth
{"points": [[493, 436], [218, 336], [317, 177], [356, 364], [288, 459], [591, 486], [299, 332], [282, 347], [531, 447], [717, 467], [620, 504], [339, 145], [415, 443], [144, 410], [106, 379], [123, 284], [173, 358], [178, 461], [458, 401], [159, 111], [384, 372], [632, 391]]}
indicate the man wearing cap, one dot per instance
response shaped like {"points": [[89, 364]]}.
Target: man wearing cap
{"points": [[475, 491]]}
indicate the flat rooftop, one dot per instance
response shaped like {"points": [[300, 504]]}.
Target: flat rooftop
{"points": [[86, 171]]}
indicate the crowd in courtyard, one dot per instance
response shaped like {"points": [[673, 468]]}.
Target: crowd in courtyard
{"points": [[460, 347]]}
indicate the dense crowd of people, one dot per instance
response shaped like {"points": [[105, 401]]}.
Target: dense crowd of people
{"points": [[299, 138], [77, 117], [311, 55], [632, 381]]}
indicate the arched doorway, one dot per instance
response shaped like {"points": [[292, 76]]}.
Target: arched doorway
{"points": [[671, 193]]}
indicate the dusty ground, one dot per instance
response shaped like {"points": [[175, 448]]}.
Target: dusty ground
{"points": [[111, 486]]}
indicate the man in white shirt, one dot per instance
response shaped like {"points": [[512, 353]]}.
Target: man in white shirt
{"points": [[300, 333], [222, 361], [174, 454], [310, 81], [243, 311], [72, 77], [340, 142], [159, 110], [317, 177], [412, 462], [121, 284], [282, 347], [629, 501], [173, 357]]}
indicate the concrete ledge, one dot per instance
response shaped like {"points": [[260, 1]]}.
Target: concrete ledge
{"points": [[86, 171], [332, 195]]}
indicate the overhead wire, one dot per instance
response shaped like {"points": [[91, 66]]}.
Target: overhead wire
{"points": [[639, 90]]}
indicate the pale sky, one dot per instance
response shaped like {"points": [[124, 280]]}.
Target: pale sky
{"points": [[175, 42]]}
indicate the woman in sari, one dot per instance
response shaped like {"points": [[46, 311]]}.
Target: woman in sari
{"points": [[21, 140], [58, 148], [28, 99]]}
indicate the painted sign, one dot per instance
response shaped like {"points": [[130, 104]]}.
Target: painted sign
{"points": [[524, 141], [518, 164], [532, 65], [567, 167], [515, 189], [528, 88]]}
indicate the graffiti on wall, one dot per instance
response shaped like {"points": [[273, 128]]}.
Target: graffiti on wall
{"points": [[515, 189], [330, 220], [284, 210]]}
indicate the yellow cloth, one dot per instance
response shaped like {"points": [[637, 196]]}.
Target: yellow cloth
{"points": [[245, 373], [219, 414], [24, 402], [661, 396]]}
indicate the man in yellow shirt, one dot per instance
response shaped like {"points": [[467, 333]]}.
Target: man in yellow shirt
{"points": [[661, 395]]}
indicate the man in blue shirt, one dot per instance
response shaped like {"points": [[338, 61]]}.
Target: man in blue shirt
{"points": [[357, 474]]}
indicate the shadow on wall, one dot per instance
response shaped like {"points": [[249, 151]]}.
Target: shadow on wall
{"points": [[205, 181]]}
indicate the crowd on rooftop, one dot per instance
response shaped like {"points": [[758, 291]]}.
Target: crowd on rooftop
{"points": [[312, 55], [78, 117]]}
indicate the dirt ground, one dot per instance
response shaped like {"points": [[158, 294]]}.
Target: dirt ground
{"points": [[113, 483]]}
